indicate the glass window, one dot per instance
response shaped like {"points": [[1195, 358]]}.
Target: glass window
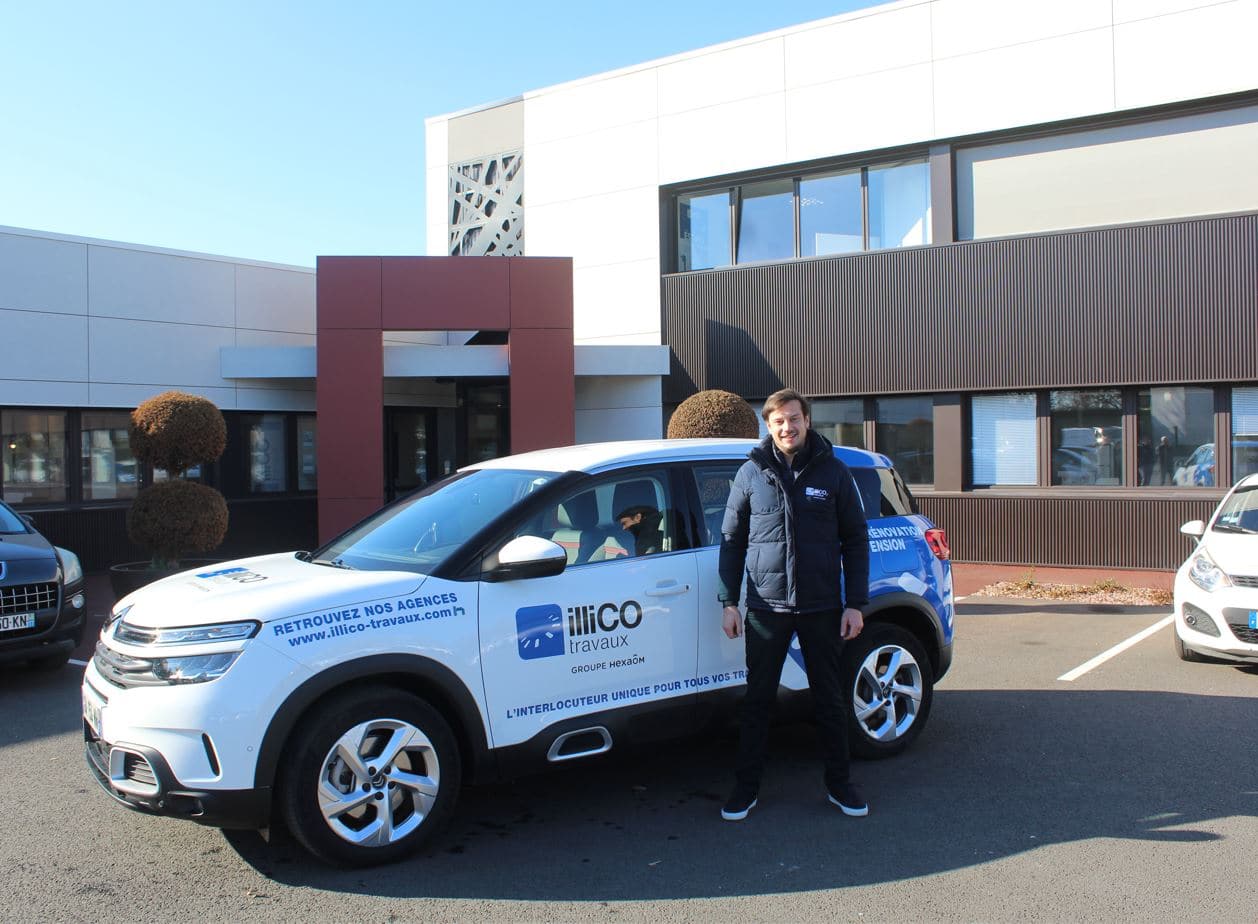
{"points": [[703, 231], [883, 493], [486, 422], [1171, 423], [714, 481], [842, 421], [34, 446], [1087, 433], [830, 214], [766, 221], [1244, 432], [422, 531], [1003, 442], [621, 517], [109, 470], [268, 458], [307, 459], [905, 431], [899, 205]]}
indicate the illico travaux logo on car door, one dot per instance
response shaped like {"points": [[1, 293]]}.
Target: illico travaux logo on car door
{"points": [[590, 627]]}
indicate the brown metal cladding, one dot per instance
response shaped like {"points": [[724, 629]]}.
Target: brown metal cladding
{"points": [[1080, 531], [1172, 302]]}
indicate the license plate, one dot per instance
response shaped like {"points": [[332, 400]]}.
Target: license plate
{"points": [[93, 708], [16, 621]]}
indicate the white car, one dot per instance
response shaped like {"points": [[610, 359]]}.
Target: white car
{"points": [[526, 611], [1216, 589]]}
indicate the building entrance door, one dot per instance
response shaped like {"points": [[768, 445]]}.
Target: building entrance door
{"points": [[410, 456]]}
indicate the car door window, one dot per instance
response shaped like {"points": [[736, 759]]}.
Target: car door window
{"points": [[713, 481], [626, 515]]}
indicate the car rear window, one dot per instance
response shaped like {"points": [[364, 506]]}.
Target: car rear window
{"points": [[883, 493]]}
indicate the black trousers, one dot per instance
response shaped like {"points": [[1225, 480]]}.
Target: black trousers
{"points": [[767, 636]]}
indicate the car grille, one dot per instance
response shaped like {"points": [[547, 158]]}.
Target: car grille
{"points": [[27, 598], [1247, 635], [123, 670], [1245, 580], [138, 770]]}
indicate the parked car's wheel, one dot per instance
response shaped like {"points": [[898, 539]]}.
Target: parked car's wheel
{"points": [[369, 778], [1185, 653], [890, 683]]}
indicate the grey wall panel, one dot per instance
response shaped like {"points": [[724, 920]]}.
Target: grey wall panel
{"points": [[1160, 303], [1076, 531]]}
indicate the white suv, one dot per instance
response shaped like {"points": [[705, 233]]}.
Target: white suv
{"points": [[529, 610]]}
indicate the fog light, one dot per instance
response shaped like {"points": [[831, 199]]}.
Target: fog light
{"points": [[77, 601], [1199, 620]]}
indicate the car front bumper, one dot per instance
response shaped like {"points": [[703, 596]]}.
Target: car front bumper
{"points": [[1230, 609]]}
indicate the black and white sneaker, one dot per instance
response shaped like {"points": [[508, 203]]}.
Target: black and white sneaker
{"points": [[739, 804], [849, 799]]}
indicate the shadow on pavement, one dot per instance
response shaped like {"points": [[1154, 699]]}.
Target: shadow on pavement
{"points": [[998, 773]]}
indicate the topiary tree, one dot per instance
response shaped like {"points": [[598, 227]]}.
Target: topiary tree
{"points": [[174, 431], [713, 413]]}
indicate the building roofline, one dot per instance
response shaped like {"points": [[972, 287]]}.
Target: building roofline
{"points": [[146, 248]]}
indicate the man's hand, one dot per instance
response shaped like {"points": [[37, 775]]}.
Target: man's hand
{"points": [[852, 624], [732, 622]]}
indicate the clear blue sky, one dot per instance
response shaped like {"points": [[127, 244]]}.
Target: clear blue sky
{"points": [[279, 130]]}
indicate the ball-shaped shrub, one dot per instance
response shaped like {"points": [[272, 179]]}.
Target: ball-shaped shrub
{"points": [[713, 413], [172, 518], [175, 431]]}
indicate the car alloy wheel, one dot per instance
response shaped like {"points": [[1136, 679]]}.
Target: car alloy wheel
{"points": [[890, 684], [371, 778]]}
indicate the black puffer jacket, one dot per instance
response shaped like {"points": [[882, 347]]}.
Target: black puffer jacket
{"points": [[795, 537]]}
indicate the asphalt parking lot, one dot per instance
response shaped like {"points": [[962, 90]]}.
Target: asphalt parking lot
{"points": [[1126, 793]]}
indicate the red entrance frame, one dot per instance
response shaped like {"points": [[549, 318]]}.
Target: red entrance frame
{"points": [[358, 298]]}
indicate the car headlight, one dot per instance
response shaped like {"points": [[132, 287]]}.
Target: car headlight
{"points": [[71, 569], [193, 668], [186, 635], [1206, 574]]}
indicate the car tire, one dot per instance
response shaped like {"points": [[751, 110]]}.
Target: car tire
{"points": [[889, 683], [353, 756], [1185, 653]]}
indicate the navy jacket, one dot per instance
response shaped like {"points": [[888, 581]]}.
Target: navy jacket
{"points": [[795, 536]]}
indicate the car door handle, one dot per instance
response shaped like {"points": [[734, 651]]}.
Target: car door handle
{"points": [[668, 589]]}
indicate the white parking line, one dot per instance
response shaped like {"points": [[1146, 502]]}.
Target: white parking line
{"points": [[78, 663], [1117, 649]]}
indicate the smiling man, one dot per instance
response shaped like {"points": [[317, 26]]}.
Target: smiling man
{"points": [[794, 524]]}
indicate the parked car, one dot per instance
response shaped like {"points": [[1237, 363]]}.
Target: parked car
{"points": [[1198, 468], [41, 595], [498, 621], [1216, 589], [1075, 466]]}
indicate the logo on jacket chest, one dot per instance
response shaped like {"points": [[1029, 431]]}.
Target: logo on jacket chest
{"points": [[816, 494]]}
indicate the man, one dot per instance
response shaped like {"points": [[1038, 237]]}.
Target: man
{"points": [[794, 522], [643, 523]]}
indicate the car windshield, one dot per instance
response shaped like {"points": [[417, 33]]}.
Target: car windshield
{"points": [[420, 532], [10, 522], [1239, 512]]}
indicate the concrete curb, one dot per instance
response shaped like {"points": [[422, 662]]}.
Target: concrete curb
{"points": [[996, 606]]}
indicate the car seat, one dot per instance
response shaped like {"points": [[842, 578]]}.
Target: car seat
{"points": [[640, 493], [579, 533]]}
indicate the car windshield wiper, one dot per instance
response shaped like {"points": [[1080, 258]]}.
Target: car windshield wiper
{"points": [[334, 563], [1231, 528]]}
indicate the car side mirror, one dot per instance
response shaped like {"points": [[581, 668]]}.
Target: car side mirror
{"points": [[1194, 528], [527, 557], [27, 520]]}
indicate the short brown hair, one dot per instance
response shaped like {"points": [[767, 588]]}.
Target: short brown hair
{"points": [[784, 396]]}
